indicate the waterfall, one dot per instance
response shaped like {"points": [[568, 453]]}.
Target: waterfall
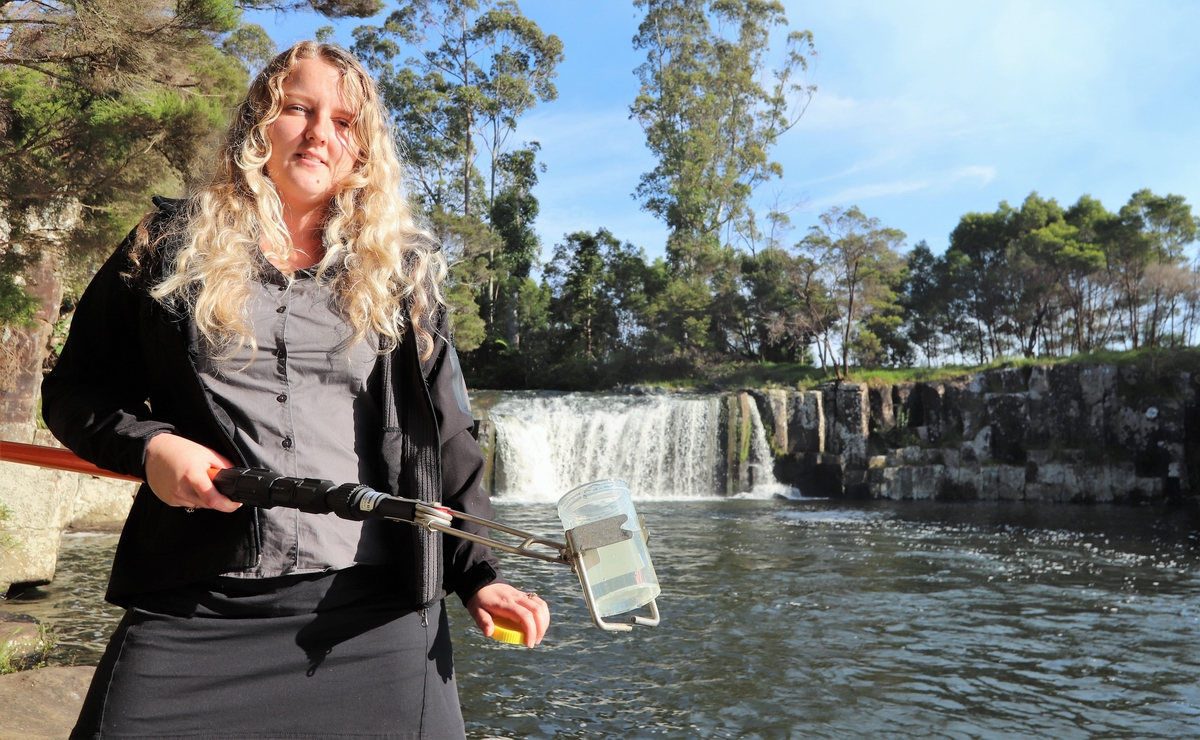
{"points": [[761, 462], [664, 446]]}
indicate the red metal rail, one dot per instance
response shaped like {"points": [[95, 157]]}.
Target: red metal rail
{"points": [[54, 457]]}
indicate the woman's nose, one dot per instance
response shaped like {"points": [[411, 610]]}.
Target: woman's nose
{"points": [[319, 127]]}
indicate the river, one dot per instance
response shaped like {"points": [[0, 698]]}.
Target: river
{"points": [[829, 619]]}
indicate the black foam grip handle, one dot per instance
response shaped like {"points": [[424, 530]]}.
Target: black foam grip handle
{"points": [[262, 488]]}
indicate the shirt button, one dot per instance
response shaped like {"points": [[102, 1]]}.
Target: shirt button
{"points": [[281, 397], [287, 443], [281, 309]]}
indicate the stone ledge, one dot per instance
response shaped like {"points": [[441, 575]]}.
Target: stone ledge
{"points": [[43, 704]]}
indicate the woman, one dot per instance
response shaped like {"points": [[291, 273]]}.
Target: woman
{"points": [[286, 316]]}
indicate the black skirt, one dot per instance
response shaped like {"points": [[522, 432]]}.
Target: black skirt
{"points": [[330, 655]]}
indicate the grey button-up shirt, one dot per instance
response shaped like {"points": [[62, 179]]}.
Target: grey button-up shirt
{"points": [[302, 405]]}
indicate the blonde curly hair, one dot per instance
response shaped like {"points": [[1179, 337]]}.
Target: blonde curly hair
{"points": [[379, 260]]}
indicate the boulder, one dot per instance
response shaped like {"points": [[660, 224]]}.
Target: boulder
{"points": [[39, 503], [37, 506], [42, 704], [1001, 483]]}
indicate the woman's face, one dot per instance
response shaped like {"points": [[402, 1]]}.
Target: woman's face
{"points": [[312, 147]]}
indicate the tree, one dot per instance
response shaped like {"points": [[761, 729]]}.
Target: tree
{"points": [[1149, 230], [980, 281], [514, 209], [99, 107], [476, 67], [473, 68], [708, 117], [466, 243], [925, 302], [1083, 276], [585, 302], [513, 212], [327, 8], [774, 282], [861, 265]]}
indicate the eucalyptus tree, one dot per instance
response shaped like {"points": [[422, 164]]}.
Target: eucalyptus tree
{"points": [[711, 110], [457, 74], [513, 211], [709, 116], [473, 68], [926, 304], [860, 265]]}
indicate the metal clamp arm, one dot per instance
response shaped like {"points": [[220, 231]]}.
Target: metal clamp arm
{"points": [[440, 519]]}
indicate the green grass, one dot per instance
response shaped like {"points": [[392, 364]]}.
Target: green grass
{"points": [[11, 663], [796, 375], [709, 375]]}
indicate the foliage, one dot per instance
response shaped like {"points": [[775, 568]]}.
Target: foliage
{"points": [[708, 117], [857, 259], [473, 67], [10, 662], [1046, 281], [100, 107], [17, 307], [476, 66], [327, 8]]}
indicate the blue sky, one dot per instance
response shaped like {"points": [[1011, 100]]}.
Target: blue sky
{"points": [[924, 110]]}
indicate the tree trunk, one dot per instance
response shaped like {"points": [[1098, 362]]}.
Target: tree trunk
{"points": [[24, 349]]}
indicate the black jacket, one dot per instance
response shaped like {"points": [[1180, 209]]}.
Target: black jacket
{"points": [[128, 372]]}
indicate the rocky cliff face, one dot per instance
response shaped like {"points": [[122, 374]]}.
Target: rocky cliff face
{"points": [[1050, 433]]}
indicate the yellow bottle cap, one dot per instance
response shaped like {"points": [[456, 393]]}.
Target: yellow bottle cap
{"points": [[506, 630]]}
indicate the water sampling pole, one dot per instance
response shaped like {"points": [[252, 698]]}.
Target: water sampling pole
{"points": [[585, 550]]}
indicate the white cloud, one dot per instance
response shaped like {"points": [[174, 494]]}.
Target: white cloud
{"points": [[854, 194]]}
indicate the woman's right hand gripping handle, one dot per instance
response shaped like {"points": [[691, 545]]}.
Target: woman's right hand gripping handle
{"points": [[177, 471]]}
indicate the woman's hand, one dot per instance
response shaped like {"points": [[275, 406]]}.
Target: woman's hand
{"points": [[177, 471], [501, 599]]}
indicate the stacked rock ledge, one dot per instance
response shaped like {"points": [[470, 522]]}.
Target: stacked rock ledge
{"points": [[1057, 433]]}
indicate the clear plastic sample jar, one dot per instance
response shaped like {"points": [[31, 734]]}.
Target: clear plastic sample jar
{"points": [[621, 575]]}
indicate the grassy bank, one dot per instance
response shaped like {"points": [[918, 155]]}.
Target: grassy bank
{"points": [[713, 376]]}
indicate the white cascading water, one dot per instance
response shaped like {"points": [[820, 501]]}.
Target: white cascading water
{"points": [[664, 446], [761, 462]]}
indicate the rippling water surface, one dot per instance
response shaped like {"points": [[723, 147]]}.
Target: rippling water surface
{"points": [[815, 619]]}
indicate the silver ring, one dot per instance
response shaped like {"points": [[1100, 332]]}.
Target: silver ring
{"points": [[190, 509], [530, 595]]}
